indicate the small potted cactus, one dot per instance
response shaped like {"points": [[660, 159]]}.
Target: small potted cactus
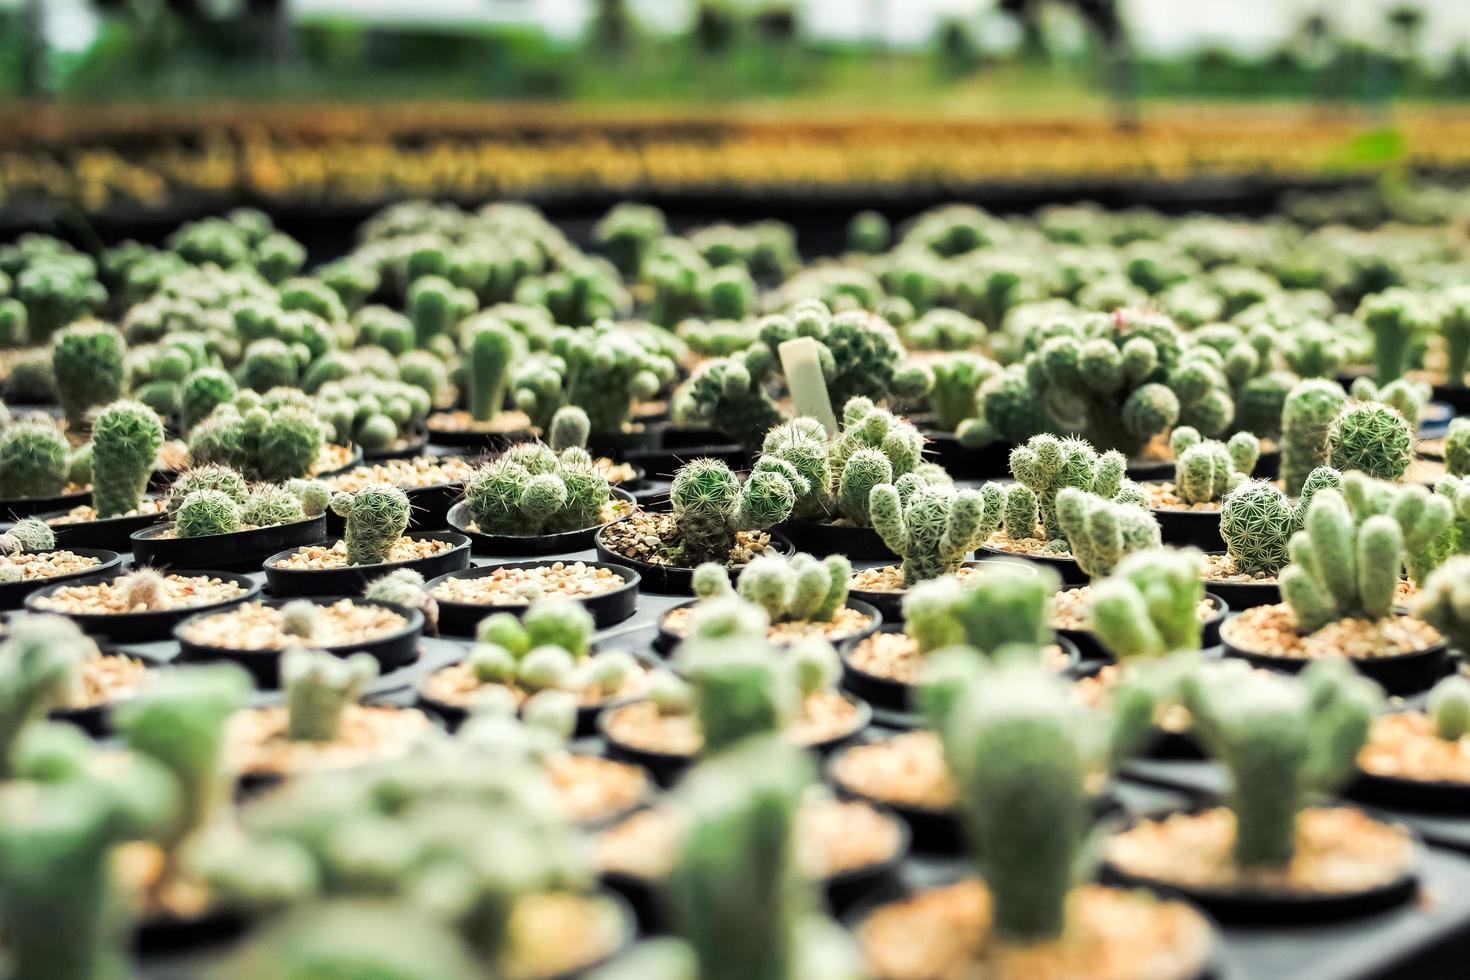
{"points": [[549, 648], [30, 560], [1340, 591], [1414, 759], [53, 669], [801, 597], [125, 441], [39, 470], [959, 379], [373, 543], [142, 604], [608, 591], [216, 518], [321, 726], [534, 499], [1257, 521], [1274, 850], [276, 437], [1205, 470], [714, 517], [1023, 751]]}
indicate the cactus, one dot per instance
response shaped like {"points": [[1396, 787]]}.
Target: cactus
{"points": [[932, 528], [957, 381], [210, 477], [269, 505], [1341, 568], [531, 490], [1457, 447], [206, 512], [33, 460], [88, 360], [376, 517], [1443, 601], [799, 588], [1454, 326], [28, 534], [299, 618], [1046, 465], [1005, 603], [1283, 741], [1425, 520], [627, 234], [125, 443], [1257, 520], [1449, 707], [314, 495], [1205, 470], [603, 370], [39, 660], [1307, 417], [1101, 532], [143, 589], [729, 394], [405, 587], [1146, 608], [569, 429], [202, 392], [711, 506], [489, 349], [1395, 318], [743, 687], [276, 440], [319, 687], [1373, 438]]}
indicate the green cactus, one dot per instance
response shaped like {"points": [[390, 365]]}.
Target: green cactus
{"points": [[933, 528], [28, 534], [531, 490], [269, 505], [1283, 740], [489, 351], [1396, 319], [569, 429], [627, 234], [1443, 601], [209, 477], [206, 512], [1257, 520], [799, 588], [125, 442], [1101, 532], [957, 381], [376, 517], [1046, 465], [1205, 470], [1341, 568], [1454, 327], [436, 306], [1425, 520], [1146, 608], [1306, 419], [729, 394], [88, 360], [604, 370], [39, 660], [1005, 603], [202, 392], [1373, 438], [1449, 707], [868, 232], [33, 460], [314, 495], [319, 687], [405, 587], [276, 440], [711, 506], [1457, 447]]}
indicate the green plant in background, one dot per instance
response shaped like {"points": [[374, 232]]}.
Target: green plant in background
{"points": [[729, 394], [933, 528], [532, 490], [1257, 520], [34, 460], [603, 370], [88, 360], [627, 234], [860, 353], [1047, 465], [278, 439], [1004, 603], [1454, 327], [1341, 567], [1206, 470], [436, 306], [1100, 532], [1449, 707], [319, 687], [1373, 438], [1306, 419], [376, 517], [1283, 741], [202, 392], [957, 381], [1148, 606], [1457, 447], [1397, 319], [943, 329], [711, 506], [40, 661], [488, 352], [125, 441]]}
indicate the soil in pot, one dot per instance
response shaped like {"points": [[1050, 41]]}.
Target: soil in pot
{"points": [[593, 790], [645, 537], [335, 458], [1342, 854], [177, 911], [1406, 763], [101, 681], [256, 745], [1036, 549], [883, 588], [41, 568], [324, 570], [124, 595], [406, 474], [557, 935], [318, 557], [1112, 934], [609, 592], [851, 621]]}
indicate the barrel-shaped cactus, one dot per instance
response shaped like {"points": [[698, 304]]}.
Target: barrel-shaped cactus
{"points": [[933, 528], [375, 518], [28, 534], [206, 512], [1373, 438], [208, 477], [1257, 520], [125, 443], [34, 460]]}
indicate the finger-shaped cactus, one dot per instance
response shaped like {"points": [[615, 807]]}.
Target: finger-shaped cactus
{"points": [[933, 529], [729, 394], [1307, 417], [375, 518], [800, 588], [319, 687], [1147, 607], [1395, 318], [1100, 532], [125, 442], [1046, 465], [489, 349], [1205, 470], [1443, 601], [38, 663], [1341, 568], [1449, 707], [1004, 603], [1457, 447]]}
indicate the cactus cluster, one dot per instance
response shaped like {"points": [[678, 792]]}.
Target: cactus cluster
{"points": [[1306, 418], [405, 587], [800, 588], [603, 370], [319, 688], [933, 528], [1257, 520], [375, 517], [279, 438], [711, 506], [1147, 606], [531, 489], [1443, 600], [1342, 565], [1205, 470], [1045, 466], [1003, 604], [35, 460], [89, 363], [547, 649], [213, 499], [1101, 532]]}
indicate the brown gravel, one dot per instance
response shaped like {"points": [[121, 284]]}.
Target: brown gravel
{"points": [[1161, 496], [85, 513], [614, 472], [461, 421], [256, 626], [646, 535], [1403, 745], [1272, 630], [1071, 609], [1431, 448], [833, 837], [1002, 541], [49, 564], [457, 685], [110, 598], [889, 578], [846, 622], [1221, 568], [256, 742], [105, 679], [589, 788], [907, 769], [943, 934], [1339, 850], [824, 716], [173, 457], [407, 548], [896, 657], [614, 510], [332, 458], [421, 471], [522, 586], [559, 934]]}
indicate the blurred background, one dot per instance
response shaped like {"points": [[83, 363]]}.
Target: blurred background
{"points": [[123, 115]]}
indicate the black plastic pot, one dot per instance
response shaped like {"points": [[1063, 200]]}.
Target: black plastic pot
{"points": [[352, 579], [822, 539], [1421, 795], [13, 594], [113, 534], [1087, 642], [1190, 528], [1266, 906], [18, 507], [667, 767], [241, 549], [679, 445], [395, 650], [479, 441], [669, 579], [890, 604], [587, 714], [406, 448], [1245, 595], [511, 545], [885, 693], [990, 462], [636, 438], [163, 934], [1434, 418], [1457, 397], [1063, 565], [607, 608], [1151, 469], [142, 627], [666, 640], [1402, 674], [1268, 465]]}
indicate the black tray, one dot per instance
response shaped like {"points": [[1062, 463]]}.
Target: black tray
{"points": [[18, 507], [511, 545], [13, 594], [1406, 673], [113, 534], [1183, 528], [665, 641], [352, 579], [822, 539], [240, 549], [607, 608], [142, 627], [670, 579], [395, 650], [1457, 397]]}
